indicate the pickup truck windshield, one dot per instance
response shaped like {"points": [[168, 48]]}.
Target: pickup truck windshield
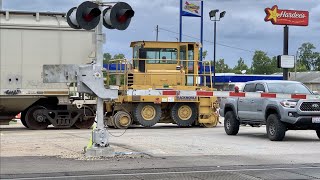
{"points": [[288, 88]]}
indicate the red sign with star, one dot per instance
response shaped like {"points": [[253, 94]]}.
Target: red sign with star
{"points": [[286, 17]]}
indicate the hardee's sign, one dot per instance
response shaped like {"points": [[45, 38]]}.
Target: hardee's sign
{"points": [[287, 17]]}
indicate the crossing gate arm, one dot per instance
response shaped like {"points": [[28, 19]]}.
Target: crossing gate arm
{"points": [[200, 93]]}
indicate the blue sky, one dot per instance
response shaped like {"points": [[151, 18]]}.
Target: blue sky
{"points": [[243, 26]]}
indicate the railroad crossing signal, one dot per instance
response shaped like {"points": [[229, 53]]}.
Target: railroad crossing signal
{"points": [[118, 16], [87, 15]]}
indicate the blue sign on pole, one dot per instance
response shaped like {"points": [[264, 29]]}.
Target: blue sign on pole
{"points": [[192, 8]]}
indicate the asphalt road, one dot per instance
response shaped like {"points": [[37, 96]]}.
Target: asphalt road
{"points": [[161, 152], [147, 170]]}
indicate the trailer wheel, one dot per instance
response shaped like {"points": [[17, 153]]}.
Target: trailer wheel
{"points": [[122, 120], [84, 122], [184, 114], [147, 114], [23, 119], [35, 118], [318, 133]]}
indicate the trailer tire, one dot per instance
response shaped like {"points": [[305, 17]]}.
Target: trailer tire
{"points": [[276, 130], [231, 124], [184, 114], [23, 119], [81, 123], [33, 117], [147, 114]]}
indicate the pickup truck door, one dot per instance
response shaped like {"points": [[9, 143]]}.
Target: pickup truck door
{"points": [[258, 103], [245, 106]]}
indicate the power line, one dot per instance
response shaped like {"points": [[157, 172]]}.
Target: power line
{"points": [[220, 44]]}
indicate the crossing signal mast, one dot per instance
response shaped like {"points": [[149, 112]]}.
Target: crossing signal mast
{"points": [[94, 15]]}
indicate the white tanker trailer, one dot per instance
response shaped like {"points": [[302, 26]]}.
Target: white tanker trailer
{"points": [[28, 40]]}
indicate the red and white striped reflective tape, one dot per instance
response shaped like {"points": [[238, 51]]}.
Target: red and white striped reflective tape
{"points": [[264, 95], [187, 93]]}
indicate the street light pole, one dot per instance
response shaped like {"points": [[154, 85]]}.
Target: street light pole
{"points": [[212, 14]]}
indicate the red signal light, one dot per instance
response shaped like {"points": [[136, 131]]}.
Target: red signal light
{"points": [[118, 16], [85, 16], [122, 19], [124, 15], [93, 13]]}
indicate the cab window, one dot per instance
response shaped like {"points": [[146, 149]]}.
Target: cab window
{"points": [[260, 88], [249, 88], [191, 58], [161, 55]]}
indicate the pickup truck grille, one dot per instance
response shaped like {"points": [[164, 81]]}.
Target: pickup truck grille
{"points": [[310, 106]]}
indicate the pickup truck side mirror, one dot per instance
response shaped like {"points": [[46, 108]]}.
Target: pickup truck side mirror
{"points": [[315, 92]]}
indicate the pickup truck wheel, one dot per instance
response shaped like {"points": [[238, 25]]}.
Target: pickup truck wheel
{"points": [[231, 124], [276, 130], [318, 133]]}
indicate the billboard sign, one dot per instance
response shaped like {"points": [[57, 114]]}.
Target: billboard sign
{"points": [[191, 8], [286, 17]]}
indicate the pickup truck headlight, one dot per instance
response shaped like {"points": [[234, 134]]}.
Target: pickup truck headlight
{"points": [[288, 104]]}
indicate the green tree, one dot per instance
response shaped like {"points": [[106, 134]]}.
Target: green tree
{"points": [[274, 66], [308, 57], [106, 58], [119, 56], [300, 67], [204, 55], [317, 67], [262, 64], [221, 67], [240, 67]]}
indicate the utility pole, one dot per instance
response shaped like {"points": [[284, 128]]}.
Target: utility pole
{"points": [[157, 29]]}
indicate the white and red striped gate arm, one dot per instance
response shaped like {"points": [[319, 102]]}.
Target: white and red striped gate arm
{"points": [[187, 93]]}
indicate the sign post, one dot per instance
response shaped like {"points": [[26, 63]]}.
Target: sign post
{"points": [[286, 17], [286, 50], [192, 8]]}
